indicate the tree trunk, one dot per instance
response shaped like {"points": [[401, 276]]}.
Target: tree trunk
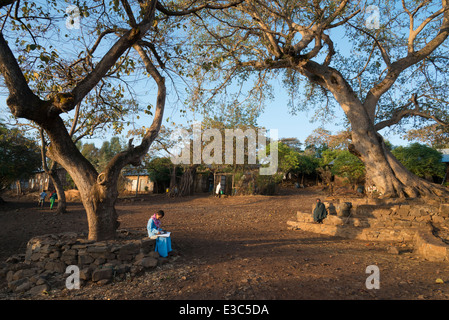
{"points": [[98, 191], [62, 203], [187, 184], [101, 213], [53, 174], [19, 187], [97, 200], [173, 188], [383, 170]]}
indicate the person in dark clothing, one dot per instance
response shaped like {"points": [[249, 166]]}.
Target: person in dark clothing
{"points": [[320, 212]]}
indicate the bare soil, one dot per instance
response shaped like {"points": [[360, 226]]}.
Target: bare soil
{"points": [[236, 248]]}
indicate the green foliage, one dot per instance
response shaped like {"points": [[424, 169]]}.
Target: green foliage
{"points": [[344, 164], [348, 166], [100, 157], [327, 156], [108, 150], [287, 158], [90, 152], [159, 169], [290, 160], [266, 185], [421, 160], [19, 156]]}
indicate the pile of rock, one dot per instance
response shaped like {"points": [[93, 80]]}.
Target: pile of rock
{"points": [[47, 258], [394, 220]]}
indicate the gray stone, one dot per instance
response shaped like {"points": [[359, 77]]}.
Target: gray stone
{"points": [[148, 262], [98, 249], [25, 286], [148, 244], [153, 254], [41, 280], [125, 257], [56, 266], [393, 250], [101, 274], [40, 289], [69, 256], [70, 252], [343, 209], [54, 255], [9, 276], [24, 273], [140, 256], [99, 261], [35, 256], [85, 273], [13, 285], [131, 248], [103, 282], [84, 259], [122, 268]]}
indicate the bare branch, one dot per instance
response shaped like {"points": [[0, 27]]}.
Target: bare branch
{"points": [[404, 112], [129, 13], [384, 52], [185, 12], [395, 69], [22, 101]]}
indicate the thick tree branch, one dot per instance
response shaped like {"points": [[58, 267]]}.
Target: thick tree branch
{"points": [[404, 112], [186, 12], [105, 64], [22, 101], [4, 3], [412, 58], [129, 13], [134, 155]]}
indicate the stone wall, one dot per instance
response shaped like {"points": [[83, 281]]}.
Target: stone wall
{"points": [[43, 266], [396, 220]]}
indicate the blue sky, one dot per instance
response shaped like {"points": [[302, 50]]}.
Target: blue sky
{"points": [[275, 116]]}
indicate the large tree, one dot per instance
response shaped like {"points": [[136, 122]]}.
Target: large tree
{"points": [[381, 64], [113, 34]]}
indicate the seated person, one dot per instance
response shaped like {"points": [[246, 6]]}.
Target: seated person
{"points": [[320, 212], [163, 244]]}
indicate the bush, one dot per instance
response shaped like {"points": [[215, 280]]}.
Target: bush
{"points": [[421, 160]]}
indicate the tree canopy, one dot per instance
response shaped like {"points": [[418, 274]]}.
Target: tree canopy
{"points": [[50, 68], [20, 156]]}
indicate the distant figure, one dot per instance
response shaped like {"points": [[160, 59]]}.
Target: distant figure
{"points": [[53, 198], [42, 197], [218, 190], [211, 186], [320, 212], [163, 244]]}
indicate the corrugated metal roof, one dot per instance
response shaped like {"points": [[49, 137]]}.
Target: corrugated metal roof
{"points": [[136, 172]]}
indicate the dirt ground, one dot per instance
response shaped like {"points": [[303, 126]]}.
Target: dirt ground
{"points": [[237, 248]]}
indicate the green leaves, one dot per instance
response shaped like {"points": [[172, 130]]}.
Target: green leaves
{"points": [[421, 160], [348, 166], [19, 156]]}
